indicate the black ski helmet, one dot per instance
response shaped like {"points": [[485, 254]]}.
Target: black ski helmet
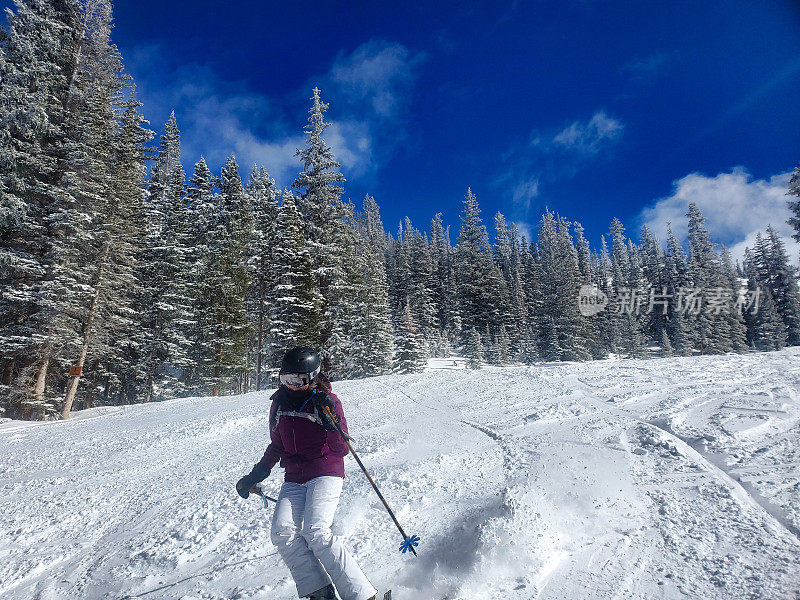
{"points": [[301, 360]]}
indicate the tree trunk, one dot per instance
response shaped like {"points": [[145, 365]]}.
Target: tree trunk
{"points": [[8, 373], [217, 369], [41, 378], [260, 330], [87, 333], [218, 353], [148, 389]]}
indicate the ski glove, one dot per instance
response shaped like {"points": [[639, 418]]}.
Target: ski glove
{"points": [[257, 475], [321, 402]]}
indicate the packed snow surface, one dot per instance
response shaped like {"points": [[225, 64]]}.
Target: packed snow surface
{"points": [[668, 478]]}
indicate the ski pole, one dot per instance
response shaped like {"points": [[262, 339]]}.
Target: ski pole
{"points": [[408, 542], [259, 491]]}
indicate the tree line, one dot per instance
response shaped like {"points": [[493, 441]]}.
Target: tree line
{"points": [[120, 286]]}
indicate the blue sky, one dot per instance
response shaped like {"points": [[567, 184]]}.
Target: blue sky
{"points": [[593, 109]]}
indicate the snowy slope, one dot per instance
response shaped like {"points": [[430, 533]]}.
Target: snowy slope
{"points": [[671, 478]]}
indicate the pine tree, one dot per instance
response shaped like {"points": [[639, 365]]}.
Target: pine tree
{"points": [[584, 254], [164, 272], [231, 238], [43, 214], [765, 328], [592, 325], [479, 283], [110, 256], [410, 355], [653, 279], [372, 335], [606, 322], [562, 329], [531, 282], [321, 211], [783, 285], [295, 302], [627, 285], [473, 349], [734, 316], [794, 205], [677, 279], [420, 283], [444, 297], [201, 204], [345, 298], [507, 258], [261, 255]]}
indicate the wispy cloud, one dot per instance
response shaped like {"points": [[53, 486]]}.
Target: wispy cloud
{"points": [[647, 68], [525, 229], [368, 91], [371, 87], [552, 155], [217, 118], [524, 193], [377, 73], [588, 138], [736, 207]]}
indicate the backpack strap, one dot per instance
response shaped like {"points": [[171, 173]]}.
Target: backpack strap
{"points": [[312, 416]]}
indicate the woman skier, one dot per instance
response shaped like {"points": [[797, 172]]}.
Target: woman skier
{"points": [[309, 447]]}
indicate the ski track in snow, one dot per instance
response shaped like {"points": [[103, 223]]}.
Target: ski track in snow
{"points": [[619, 479]]}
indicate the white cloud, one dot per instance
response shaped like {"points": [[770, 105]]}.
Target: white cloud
{"points": [[368, 91], [589, 138], [647, 68], [351, 143], [525, 192], [735, 206], [379, 73], [550, 155], [525, 229]]}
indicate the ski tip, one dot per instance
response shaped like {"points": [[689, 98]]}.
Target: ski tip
{"points": [[388, 595]]}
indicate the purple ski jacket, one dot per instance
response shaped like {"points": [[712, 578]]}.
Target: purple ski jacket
{"points": [[298, 440]]}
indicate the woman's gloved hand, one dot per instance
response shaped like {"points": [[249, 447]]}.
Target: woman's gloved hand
{"points": [[321, 402], [257, 475]]}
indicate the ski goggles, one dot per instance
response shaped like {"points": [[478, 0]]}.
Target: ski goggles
{"points": [[297, 379]]}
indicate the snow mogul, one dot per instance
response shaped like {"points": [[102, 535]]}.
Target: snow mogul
{"points": [[306, 442]]}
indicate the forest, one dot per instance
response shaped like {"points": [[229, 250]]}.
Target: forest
{"points": [[125, 279]]}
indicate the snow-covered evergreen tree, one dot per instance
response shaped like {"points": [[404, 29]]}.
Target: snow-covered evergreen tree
{"points": [[322, 212], [231, 238], [345, 305], [110, 250], [473, 349], [372, 333], [531, 281], [765, 328], [677, 278], [734, 316], [410, 354], [782, 284], [562, 329], [444, 296], [44, 217], [507, 257], [263, 197], [480, 286], [294, 299], [164, 273], [420, 284], [709, 327], [654, 282], [794, 205], [201, 204]]}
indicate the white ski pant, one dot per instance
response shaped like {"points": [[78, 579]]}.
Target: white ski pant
{"points": [[301, 530]]}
